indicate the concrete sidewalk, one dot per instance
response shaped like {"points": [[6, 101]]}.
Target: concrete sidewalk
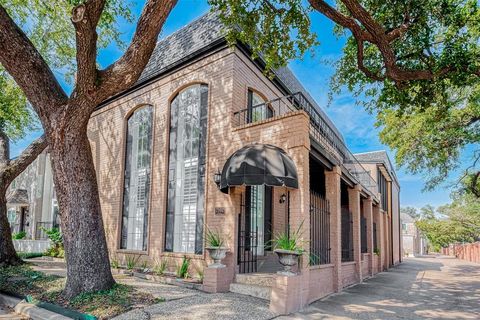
{"points": [[419, 288]]}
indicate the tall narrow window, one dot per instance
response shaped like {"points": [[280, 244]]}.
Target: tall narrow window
{"points": [[186, 176], [257, 108], [137, 179]]}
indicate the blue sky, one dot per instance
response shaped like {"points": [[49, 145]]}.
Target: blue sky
{"points": [[353, 121]]}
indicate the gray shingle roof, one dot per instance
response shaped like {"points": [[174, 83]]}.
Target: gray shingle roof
{"points": [[18, 197], [380, 156], [198, 35]]}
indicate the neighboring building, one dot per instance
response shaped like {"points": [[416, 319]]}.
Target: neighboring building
{"points": [[205, 139], [31, 201], [413, 243], [382, 170]]}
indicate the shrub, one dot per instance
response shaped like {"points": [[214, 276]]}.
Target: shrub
{"points": [[19, 235], [290, 242], [29, 255], [132, 261], [200, 274], [376, 251], [213, 239], [55, 236], [182, 269], [144, 265], [160, 267], [114, 262]]}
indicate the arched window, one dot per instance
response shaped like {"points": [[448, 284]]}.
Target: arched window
{"points": [[138, 157], [258, 109], [186, 175]]}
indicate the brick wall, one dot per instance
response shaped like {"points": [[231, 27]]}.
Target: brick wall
{"points": [[469, 251], [321, 282], [365, 261], [349, 276]]}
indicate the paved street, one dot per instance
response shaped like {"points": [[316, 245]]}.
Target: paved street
{"points": [[420, 288]]}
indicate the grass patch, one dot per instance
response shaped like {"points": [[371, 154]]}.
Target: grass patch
{"points": [[23, 280]]}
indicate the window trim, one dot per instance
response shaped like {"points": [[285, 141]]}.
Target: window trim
{"points": [[123, 152]]}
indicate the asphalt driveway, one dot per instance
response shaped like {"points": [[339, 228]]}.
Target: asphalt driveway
{"points": [[419, 288]]}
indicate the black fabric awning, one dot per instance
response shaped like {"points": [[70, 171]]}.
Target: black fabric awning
{"points": [[259, 164]]}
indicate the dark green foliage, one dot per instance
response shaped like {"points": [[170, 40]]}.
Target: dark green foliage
{"points": [[29, 255], [56, 250], [19, 235], [277, 30], [458, 221], [182, 269]]}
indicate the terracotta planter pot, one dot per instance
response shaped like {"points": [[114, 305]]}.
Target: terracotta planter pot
{"points": [[287, 259], [217, 254]]}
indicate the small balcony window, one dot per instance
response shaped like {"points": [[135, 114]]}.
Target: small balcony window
{"points": [[258, 109]]}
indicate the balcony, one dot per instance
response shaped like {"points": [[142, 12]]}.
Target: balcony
{"points": [[320, 131]]}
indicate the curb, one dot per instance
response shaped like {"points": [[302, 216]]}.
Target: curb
{"points": [[29, 310]]}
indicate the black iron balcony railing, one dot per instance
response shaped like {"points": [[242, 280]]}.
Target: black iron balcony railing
{"points": [[320, 131]]}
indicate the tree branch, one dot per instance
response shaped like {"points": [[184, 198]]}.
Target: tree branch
{"points": [[85, 19], [29, 70], [341, 19], [18, 165], [365, 28], [126, 70], [361, 66]]}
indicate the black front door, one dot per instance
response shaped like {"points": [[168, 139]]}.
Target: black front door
{"points": [[255, 226]]}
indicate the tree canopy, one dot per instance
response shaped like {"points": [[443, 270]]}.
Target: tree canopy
{"points": [[458, 221], [54, 37], [416, 64]]}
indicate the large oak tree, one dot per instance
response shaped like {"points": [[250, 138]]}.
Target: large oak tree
{"points": [[65, 118], [53, 37], [416, 64]]}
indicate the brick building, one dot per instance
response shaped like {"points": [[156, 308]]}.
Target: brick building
{"points": [[169, 155], [162, 148]]}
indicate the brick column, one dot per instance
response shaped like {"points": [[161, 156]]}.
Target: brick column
{"points": [[386, 235], [368, 211], [354, 203], [332, 194], [381, 238]]}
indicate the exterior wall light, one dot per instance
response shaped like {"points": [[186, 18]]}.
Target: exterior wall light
{"points": [[283, 198], [217, 177]]}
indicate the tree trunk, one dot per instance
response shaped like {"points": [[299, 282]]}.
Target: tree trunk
{"points": [[88, 265], [8, 255]]}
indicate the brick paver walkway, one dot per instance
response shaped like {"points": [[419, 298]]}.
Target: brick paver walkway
{"points": [[419, 288]]}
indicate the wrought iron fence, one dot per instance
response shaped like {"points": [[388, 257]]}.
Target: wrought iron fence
{"points": [[319, 229], [247, 239], [41, 226], [363, 235], [347, 235], [320, 130]]}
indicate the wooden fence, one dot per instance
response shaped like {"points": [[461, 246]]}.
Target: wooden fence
{"points": [[468, 251]]}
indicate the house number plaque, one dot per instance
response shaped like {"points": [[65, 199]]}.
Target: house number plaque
{"points": [[219, 211]]}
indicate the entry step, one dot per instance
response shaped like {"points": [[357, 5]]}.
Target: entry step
{"points": [[262, 292]]}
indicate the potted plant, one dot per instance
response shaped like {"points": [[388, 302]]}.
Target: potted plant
{"points": [[215, 247], [289, 248]]}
